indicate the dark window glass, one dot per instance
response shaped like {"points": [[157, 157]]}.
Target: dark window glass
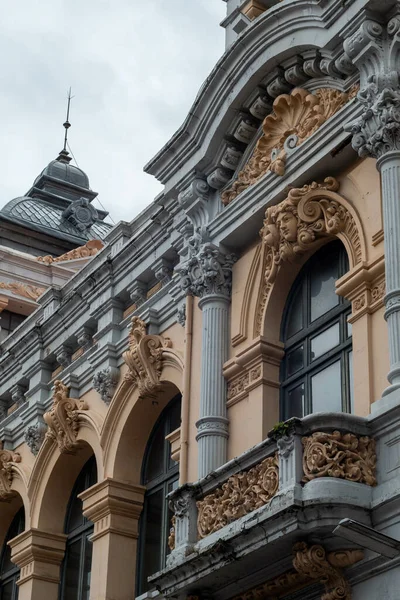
{"points": [[316, 371], [8, 322], [9, 572], [160, 475], [77, 564]]}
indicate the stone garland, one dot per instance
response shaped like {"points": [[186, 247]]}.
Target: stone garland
{"points": [[239, 495], [340, 455]]}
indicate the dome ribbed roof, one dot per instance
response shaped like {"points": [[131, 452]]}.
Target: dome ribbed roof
{"points": [[65, 172]]}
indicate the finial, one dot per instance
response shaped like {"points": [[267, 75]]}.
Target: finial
{"points": [[64, 154]]}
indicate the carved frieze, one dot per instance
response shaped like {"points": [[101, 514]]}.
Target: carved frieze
{"points": [[144, 357], [295, 118], [341, 455], [25, 290], [239, 495], [7, 458], [91, 248], [63, 419]]}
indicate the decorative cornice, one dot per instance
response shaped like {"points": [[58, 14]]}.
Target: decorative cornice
{"points": [[239, 495], [374, 49], [144, 357], [207, 271], [91, 248], [63, 419], [25, 290], [295, 118], [340, 455], [7, 458]]}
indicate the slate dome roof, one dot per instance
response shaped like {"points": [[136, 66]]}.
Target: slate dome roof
{"points": [[63, 171]]}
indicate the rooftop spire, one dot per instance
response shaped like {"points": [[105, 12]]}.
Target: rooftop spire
{"points": [[64, 154]]}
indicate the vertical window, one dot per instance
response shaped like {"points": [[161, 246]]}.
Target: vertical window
{"points": [[9, 572], [77, 564], [160, 475], [8, 322], [316, 372]]}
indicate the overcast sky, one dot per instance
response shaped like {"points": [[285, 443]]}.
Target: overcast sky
{"points": [[135, 67]]}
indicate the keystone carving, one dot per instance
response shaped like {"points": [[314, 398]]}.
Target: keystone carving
{"points": [[295, 118], [63, 419], [239, 495], [7, 458], [296, 224], [341, 455], [25, 290], [311, 564], [144, 357], [91, 248], [315, 564], [105, 382]]}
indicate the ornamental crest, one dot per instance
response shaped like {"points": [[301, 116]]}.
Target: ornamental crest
{"points": [[7, 458], [63, 419], [295, 118], [144, 357]]}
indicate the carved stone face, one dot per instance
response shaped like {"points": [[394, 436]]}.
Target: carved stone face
{"points": [[287, 224]]}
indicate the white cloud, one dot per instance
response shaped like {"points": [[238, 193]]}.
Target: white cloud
{"points": [[135, 68]]}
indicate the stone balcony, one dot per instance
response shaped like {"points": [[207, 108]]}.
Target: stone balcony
{"points": [[258, 516]]}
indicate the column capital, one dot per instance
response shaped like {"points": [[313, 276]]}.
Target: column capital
{"points": [[207, 272], [38, 554], [113, 506], [374, 49]]}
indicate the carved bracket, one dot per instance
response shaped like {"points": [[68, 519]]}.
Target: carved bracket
{"points": [[7, 458], [144, 357], [63, 419]]}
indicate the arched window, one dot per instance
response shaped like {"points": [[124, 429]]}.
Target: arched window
{"points": [[160, 475], [316, 372], [77, 564], [9, 572]]}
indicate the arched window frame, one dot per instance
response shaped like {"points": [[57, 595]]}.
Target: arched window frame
{"points": [[81, 533], [10, 576], [311, 330], [162, 484]]}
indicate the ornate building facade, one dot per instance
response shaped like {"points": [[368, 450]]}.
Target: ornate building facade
{"points": [[204, 402]]}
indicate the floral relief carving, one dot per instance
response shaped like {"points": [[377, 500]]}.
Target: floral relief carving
{"points": [[341, 455], [295, 117], [91, 248], [237, 386], [239, 495], [311, 564], [144, 357], [7, 458], [63, 419], [25, 290], [378, 291], [295, 225], [359, 303]]}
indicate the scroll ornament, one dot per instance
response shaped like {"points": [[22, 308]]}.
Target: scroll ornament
{"points": [[341, 455], [239, 495], [311, 564], [7, 458], [295, 118], [32, 292], [144, 357], [315, 564], [63, 419]]}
